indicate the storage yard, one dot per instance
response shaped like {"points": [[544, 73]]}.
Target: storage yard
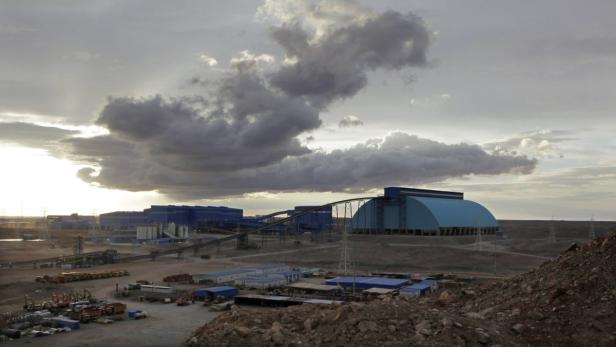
{"points": [[105, 286]]}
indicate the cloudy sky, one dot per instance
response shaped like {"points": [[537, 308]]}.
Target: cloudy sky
{"points": [[116, 105]]}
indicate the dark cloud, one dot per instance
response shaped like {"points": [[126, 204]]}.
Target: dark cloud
{"points": [[32, 135], [350, 122], [398, 159], [244, 136], [249, 125], [335, 65]]}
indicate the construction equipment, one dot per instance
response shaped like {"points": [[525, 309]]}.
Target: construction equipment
{"points": [[182, 301], [178, 278]]}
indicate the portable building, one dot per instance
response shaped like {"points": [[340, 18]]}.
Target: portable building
{"points": [[417, 289], [155, 289], [214, 292], [270, 268], [432, 283], [261, 282], [224, 276]]}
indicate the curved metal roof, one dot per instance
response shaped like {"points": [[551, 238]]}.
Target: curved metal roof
{"points": [[450, 213]]}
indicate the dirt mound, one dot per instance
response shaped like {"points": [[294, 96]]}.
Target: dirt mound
{"points": [[391, 322], [570, 301]]}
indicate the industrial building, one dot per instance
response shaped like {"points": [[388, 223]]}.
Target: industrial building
{"points": [[192, 216], [157, 231], [122, 220], [314, 221], [258, 276], [423, 212], [73, 221]]}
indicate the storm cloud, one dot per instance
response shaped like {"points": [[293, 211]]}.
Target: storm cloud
{"points": [[398, 159], [334, 66], [248, 125], [242, 136]]}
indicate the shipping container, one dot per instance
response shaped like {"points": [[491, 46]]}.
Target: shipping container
{"points": [[67, 323], [417, 289], [214, 292]]}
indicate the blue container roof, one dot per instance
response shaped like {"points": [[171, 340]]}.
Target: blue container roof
{"points": [[226, 272], [414, 287], [374, 281], [267, 266], [221, 289]]}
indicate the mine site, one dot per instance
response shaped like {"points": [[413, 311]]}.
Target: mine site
{"points": [[413, 266], [204, 173]]}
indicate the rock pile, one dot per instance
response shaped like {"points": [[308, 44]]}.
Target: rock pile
{"points": [[570, 301], [388, 322]]}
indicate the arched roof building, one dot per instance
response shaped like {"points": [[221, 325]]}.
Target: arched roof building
{"points": [[423, 212]]}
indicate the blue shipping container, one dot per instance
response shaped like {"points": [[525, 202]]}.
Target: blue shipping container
{"points": [[67, 323], [214, 292], [417, 289]]}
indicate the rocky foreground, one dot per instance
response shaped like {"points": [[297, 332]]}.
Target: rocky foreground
{"points": [[570, 301]]}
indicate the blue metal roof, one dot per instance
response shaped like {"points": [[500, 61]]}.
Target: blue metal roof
{"points": [[411, 212], [367, 282], [218, 289], [226, 272], [450, 213]]}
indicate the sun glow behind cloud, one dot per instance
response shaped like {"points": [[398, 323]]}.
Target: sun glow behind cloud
{"points": [[52, 186]]}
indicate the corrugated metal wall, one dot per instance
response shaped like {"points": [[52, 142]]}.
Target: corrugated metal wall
{"points": [[421, 213]]}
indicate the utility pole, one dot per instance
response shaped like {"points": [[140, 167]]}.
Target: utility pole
{"points": [[478, 239], [344, 264], [552, 235], [591, 232]]}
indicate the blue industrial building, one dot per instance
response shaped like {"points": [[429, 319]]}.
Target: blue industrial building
{"points": [[193, 215], [179, 215], [423, 212], [122, 220], [319, 220]]}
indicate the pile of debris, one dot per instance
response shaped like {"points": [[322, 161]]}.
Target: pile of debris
{"points": [[570, 301], [389, 322]]}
